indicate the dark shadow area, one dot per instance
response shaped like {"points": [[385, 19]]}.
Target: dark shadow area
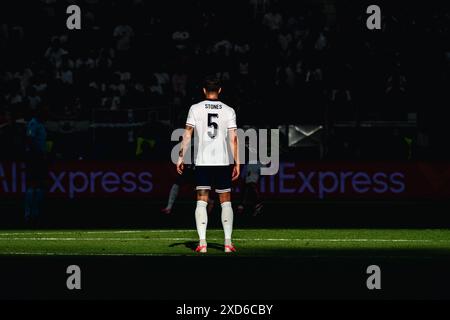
{"points": [[192, 245], [145, 214], [256, 277]]}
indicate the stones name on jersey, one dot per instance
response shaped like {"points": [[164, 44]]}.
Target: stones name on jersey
{"points": [[213, 106]]}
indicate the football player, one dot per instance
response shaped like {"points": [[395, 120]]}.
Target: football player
{"points": [[215, 124]]}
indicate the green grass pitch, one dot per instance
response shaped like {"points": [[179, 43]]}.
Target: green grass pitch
{"points": [[249, 242]]}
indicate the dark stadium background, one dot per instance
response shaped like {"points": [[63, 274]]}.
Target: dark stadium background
{"points": [[377, 96], [377, 100]]}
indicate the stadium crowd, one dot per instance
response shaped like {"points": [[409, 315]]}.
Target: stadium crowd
{"points": [[275, 59]]}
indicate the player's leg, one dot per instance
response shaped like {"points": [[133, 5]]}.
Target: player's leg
{"points": [[253, 197], [244, 198], [37, 202], [36, 179], [223, 184], [41, 187], [173, 194], [31, 186], [174, 190], [257, 200], [227, 220], [201, 218], [203, 181], [29, 196]]}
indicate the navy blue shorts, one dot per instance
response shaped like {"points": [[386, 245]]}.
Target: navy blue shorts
{"points": [[218, 177]]}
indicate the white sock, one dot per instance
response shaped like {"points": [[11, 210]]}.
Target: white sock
{"points": [[227, 221], [201, 219], [172, 196]]}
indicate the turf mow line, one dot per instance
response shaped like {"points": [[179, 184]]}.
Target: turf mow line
{"points": [[94, 232], [36, 253], [50, 232], [217, 239]]}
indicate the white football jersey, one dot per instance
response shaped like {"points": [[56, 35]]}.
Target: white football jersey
{"points": [[212, 119]]}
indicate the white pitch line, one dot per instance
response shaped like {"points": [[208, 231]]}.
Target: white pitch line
{"points": [[354, 240], [117, 232], [217, 239], [91, 254], [91, 232], [92, 239]]}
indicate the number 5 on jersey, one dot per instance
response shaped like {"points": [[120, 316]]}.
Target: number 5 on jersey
{"points": [[212, 125]]}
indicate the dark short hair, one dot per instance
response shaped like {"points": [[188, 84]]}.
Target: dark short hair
{"points": [[212, 84]]}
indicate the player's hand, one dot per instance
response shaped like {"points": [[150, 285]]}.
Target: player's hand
{"points": [[236, 172], [180, 166]]}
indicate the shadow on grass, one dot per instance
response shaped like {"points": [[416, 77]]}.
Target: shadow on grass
{"points": [[418, 254], [193, 245]]}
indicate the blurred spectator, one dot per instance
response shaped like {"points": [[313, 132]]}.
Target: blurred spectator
{"points": [[272, 51], [273, 20], [179, 83], [55, 53], [123, 34]]}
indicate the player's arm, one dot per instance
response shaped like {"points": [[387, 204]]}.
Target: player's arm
{"points": [[234, 144], [187, 135]]}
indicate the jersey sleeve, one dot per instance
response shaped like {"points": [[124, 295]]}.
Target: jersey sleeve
{"points": [[190, 118], [232, 121]]}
